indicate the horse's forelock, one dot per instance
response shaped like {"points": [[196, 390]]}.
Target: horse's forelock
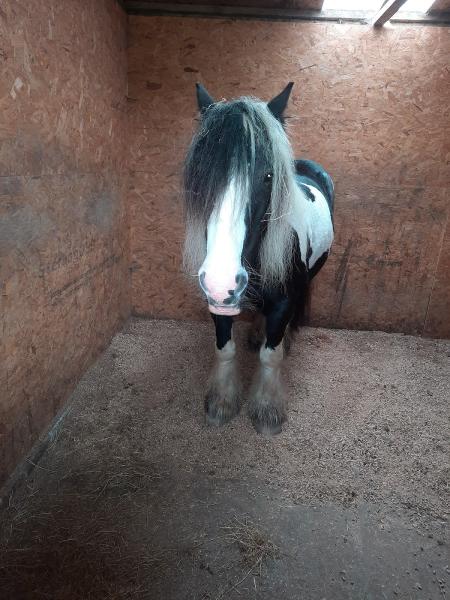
{"points": [[226, 147]]}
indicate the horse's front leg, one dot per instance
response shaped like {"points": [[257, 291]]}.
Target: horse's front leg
{"points": [[223, 398], [267, 406]]}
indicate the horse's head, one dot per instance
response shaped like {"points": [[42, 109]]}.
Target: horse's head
{"points": [[238, 177]]}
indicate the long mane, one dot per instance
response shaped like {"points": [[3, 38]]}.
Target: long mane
{"points": [[231, 137]]}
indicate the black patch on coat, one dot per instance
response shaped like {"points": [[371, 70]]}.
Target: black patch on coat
{"points": [[223, 325], [314, 174], [220, 151], [308, 254], [286, 305], [307, 191]]}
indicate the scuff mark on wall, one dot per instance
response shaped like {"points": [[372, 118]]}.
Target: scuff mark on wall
{"points": [[20, 228], [102, 209]]}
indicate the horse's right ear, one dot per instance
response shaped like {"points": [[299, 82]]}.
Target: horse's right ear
{"points": [[204, 100], [278, 104]]}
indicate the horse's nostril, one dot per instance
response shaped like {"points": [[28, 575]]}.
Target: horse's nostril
{"points": [[241, 282], [217, 286]]}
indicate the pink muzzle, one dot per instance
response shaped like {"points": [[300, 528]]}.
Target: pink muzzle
{"points": [[224, 294]]}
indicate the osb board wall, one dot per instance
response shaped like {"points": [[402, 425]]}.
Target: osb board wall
{"points": [[371, 105], [63, 242], [441, 5], [438, 314]]}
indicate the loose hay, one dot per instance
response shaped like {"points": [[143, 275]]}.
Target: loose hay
{"points": [[254, 545]]}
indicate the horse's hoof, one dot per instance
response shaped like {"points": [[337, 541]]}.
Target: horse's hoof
{"points": [[266, 428], [219, 410], [268, 421]]}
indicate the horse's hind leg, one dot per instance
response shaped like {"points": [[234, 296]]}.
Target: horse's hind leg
{"points": [[223, 398], [255, 335], [267, 406]]}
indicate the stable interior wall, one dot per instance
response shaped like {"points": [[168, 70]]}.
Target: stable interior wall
{"points": [[63, 233], [372, 105]]}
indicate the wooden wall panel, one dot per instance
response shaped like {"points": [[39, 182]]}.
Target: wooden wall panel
{"points": [[63, 230], [438, 314], [371, 105], [441, 6]]}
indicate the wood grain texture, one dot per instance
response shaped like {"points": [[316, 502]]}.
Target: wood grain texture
{"points": [[438, 314], [440, 6], [63, 230], [371, 106]]}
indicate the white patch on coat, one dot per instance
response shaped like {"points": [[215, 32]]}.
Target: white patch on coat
{"points": [[312, 221], [271, 358], [225, 241], [267, 401], [224, 388], [226, 354]]}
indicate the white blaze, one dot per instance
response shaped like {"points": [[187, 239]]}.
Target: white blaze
{"points": [[225, 240]]}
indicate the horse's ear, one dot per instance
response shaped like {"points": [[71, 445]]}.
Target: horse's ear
{"points": [[278, 104], [204, 100]]}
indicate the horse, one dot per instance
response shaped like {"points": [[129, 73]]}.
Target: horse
{"points": [[259, 227]]}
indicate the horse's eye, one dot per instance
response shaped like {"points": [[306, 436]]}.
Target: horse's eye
{"points": [[268, 178]]}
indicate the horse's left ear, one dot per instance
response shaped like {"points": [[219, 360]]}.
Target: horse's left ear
{"points": [[278, 104], [204, 100]]}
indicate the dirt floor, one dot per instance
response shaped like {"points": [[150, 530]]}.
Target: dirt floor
{"points": [[135, 497]]}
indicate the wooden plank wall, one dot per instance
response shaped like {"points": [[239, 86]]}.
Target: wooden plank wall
{"points": [[372, 106], [441, 6], [63, 238]]}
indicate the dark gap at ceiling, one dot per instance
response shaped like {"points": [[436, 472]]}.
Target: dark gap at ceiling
{"points": [[307, 10]]}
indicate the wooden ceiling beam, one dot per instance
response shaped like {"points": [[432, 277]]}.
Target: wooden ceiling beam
{"points": [[271, 4], [387, 11]]}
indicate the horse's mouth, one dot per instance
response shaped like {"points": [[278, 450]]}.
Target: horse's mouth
{"points": [[228, 307], [224, 309]]}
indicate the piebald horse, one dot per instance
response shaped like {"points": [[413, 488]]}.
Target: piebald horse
{"points": [[259, 227]]}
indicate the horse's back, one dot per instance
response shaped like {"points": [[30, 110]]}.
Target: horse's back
{"points": [[309, 172]]}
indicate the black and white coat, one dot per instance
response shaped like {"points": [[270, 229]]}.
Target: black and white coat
{"points": [[259, 228]]}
